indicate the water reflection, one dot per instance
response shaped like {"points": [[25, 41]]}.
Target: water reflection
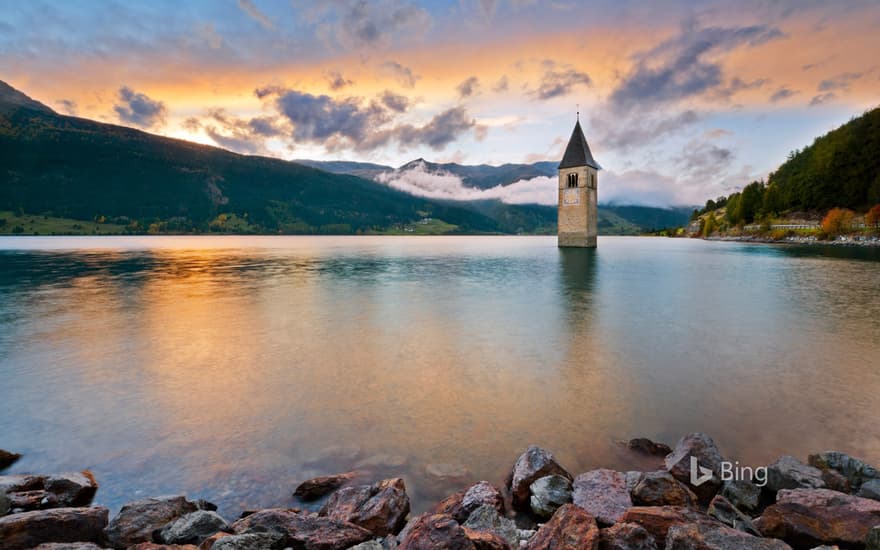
{"points": [[232, 369]]}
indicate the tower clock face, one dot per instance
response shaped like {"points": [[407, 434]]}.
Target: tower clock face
{"points": [[570, 196]]}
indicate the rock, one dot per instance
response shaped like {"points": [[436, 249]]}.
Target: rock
{"points": [[265, 540], [30, 492], [481, 494], [703, 448], [721, 509], [67, 546], [137, 520], [661, 489], [835, 481], [369, 545], [319, 486], [872, 541], [451, 506], [7, 459], [805, 517], [487, 540], [790, 473], [603, 494], [703, 536], [193, 528], [433, 531], [533, 464], [380, 508], [5, 504], [29, 529], [626, 536], [854, 470], [658, 519], [155, 546], [646, 446], [743, 494], [487, 518], [570, 528], [309, 532], [548, 494], [870, 489]]}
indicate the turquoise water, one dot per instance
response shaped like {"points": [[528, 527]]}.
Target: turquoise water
{"points": [[231, 368]]}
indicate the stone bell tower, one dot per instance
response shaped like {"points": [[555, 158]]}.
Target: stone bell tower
{"points": [[578, 183]]}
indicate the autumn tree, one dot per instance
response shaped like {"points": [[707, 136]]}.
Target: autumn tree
{"points": [[837, 221], [872, 218]]}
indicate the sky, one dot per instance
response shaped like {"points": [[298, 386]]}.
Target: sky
{"points": [[680, 101]]}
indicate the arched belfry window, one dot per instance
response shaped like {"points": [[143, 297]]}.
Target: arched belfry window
{"points": [[572, 180]]}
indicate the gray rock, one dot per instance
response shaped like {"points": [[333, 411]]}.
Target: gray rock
{"points": [[854, 470], [790, 473], [548, 494], [193, 528], [632, 479], [487, 518], [721, 509], [707, 536], [872, 541], [533, 464], [480, 494], [603, 494], [266, 540], [5, 505], [137, 520], [703, 448], [369, 545], [743, 494], [870, 489]]}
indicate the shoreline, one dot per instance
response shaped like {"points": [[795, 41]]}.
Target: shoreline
{"points": [[859, 241], [831, 499]]}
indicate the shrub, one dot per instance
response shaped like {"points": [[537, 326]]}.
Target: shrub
{"points": [[837, 221]]}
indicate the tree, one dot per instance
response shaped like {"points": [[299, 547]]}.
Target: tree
{"points": [[710, 225], [772, 201], [837, 221], [751, 201], [872, 218]]}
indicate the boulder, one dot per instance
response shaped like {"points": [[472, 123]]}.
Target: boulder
{"points": [[872, 541], [192, 528], [487, 540], [790, 473], [661, 489], [137, 520], [810, 517], [745, 495], [603, 494], [486, 518], [704, 536], [32, 492], [481, 494], [658, 519], [263, 540], [854, 470], [721, 509], [433, 531], [319, 486], [626, 536], [369, 545], [548, 494], [646, 446], [451, 506], [533, 464], [570, 528], [870, 489], [380, 508], [157, 546], [29, 529], [309, 532], [7, 459], [5, 504], [703, 448]]}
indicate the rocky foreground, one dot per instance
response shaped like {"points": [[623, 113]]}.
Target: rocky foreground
{"points": [[831, 501]]}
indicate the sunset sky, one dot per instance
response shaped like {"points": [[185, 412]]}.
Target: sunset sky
{"points": [[680, 101]]}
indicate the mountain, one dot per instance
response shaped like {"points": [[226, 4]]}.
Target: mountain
{"points": [[67, 167], [366, 170]]}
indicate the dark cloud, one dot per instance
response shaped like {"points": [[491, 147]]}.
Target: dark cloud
{"points": [[442, 130], [822, 99], [678, 68], [782, 93], [627, 132], [254, 13], [395, 102], [359, 24], [502, 85], [468, 87], [68, 106], [737, 85], [138, 109], [337, 81], [403, 75], [703, 160], [241, 135], [839, 82], [559, 80]]}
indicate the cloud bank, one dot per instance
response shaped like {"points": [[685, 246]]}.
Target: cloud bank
{"points": [[138, 109]]}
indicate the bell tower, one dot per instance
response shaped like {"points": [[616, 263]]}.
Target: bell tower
{"points": [[578, 183]]}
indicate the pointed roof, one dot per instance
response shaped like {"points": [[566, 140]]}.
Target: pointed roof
{"points": [[578, 152]]}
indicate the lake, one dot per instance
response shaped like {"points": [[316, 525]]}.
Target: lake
{"points": [[232, 368]]}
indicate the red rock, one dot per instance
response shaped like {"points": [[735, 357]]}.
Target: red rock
{"points": [[33, 492], [460, 505], [531, 465], [704, 536], [811, 517], [626, 536], [309, 532], [658, 519], [137, 520], [570, 528], [435, 531], [486, 540], [67, 546], [703, 448], [381, 508], [646, 446], [208, 543], [29, 529], [451, 506], [661, 489], [602, 493], [154, 546], [322, 485]]}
